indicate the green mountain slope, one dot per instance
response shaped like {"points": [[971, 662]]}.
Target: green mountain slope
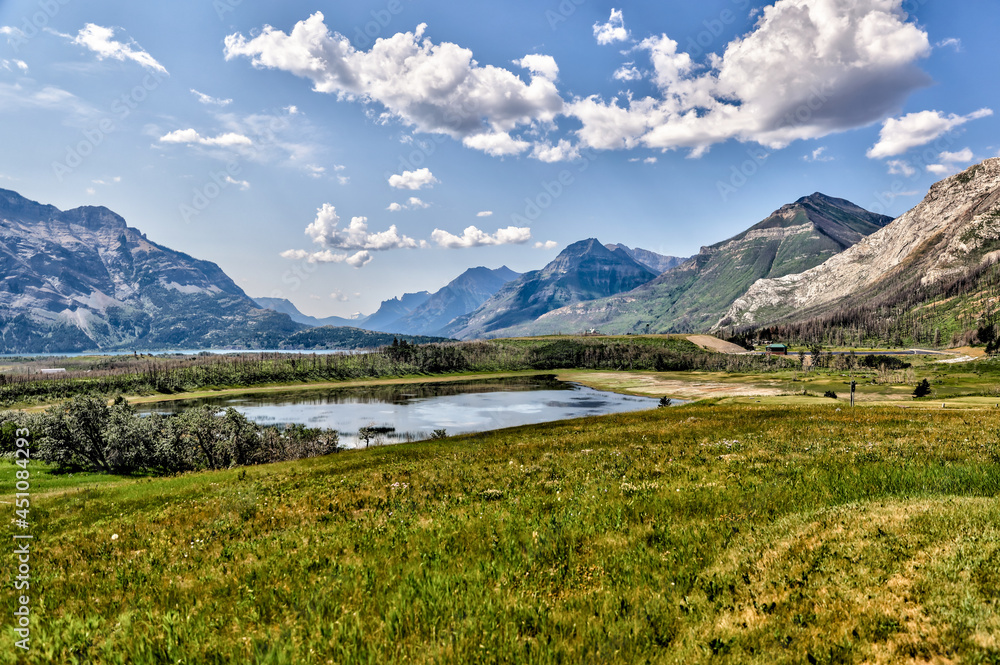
{"points": [[696, 294], [930, 277]]}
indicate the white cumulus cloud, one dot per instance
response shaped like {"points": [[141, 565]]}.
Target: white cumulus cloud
{"points": [[500, 144], [628, 72], [484, 213], [950, 162], [474, 237], [190, 136], [101, 40], [413, 180], [806, 70], [898, 135], [612, 31], [540, 65], [436, 88], [352, 245], [854, 62], [548, 244]]}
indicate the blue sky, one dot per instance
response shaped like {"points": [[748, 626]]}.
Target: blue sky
{"points": [[282, 142]]}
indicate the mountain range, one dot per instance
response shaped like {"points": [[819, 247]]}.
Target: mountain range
{"points": [[694, 295], [285, 306], [84, 279], [584, 271], [952, 236]]}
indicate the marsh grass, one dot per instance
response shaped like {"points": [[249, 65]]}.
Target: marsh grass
{"points": [[743, 534]]}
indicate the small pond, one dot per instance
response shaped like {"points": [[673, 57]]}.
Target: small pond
{"points": [[412, 412]]}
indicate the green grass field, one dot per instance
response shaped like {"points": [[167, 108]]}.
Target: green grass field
{"points": [[727, 533]]}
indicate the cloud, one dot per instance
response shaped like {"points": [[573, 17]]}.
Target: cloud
{"points": [[485, 213], [500, 144], [189, 136], [340, 296], [952, 42], [9, 65], [325, 230], [352, 245], [242, 184], [901, 167], [13, 34], [473, 237], [818, 156], [561, 152], [540, 65], [413, 179], [612, 31], [913, 130], [854, 62], [413, 203], [548, 244], [25, 95], [628, 72], [950, 162], [436, 88], [208, 100], [101, 41], [962, 156]]}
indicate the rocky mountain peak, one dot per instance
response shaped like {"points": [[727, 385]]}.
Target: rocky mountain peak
{"points": [[955, 227]]}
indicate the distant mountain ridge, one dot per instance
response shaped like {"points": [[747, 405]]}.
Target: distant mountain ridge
{"points": [[393, 310], [285, 306], [658, 263], [83, 279], [585, 270], [693, 296], [464, 294]]}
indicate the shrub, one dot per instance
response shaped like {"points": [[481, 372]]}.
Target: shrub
{"points": [[923, 389]]}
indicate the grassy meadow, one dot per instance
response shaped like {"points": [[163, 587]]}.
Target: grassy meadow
{"points": [[739, 533]]}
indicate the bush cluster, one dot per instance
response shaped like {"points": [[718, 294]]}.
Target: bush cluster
{"points": [[86, 433]]}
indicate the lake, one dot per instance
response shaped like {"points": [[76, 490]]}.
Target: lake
{"points": [[412, 412]]}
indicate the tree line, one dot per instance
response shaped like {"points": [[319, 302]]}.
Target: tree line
{"points": [[905, 312], [153, 375]]}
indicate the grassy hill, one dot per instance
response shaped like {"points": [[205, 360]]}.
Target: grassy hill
{"points": [[738, 534]]}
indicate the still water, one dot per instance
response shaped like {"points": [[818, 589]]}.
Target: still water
{"points": [[413, 412]]}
